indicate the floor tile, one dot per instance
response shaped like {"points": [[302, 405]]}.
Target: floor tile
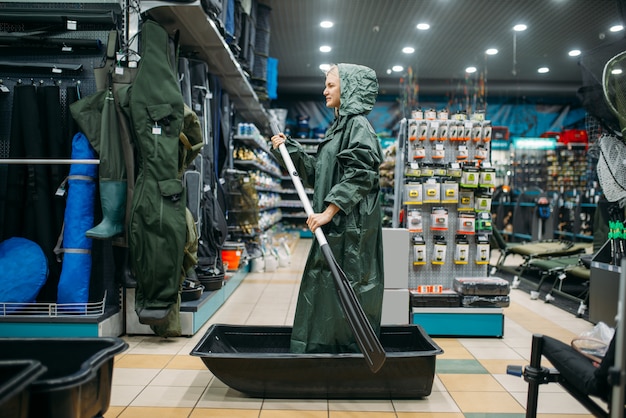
{"points": [[361, 405], [554, 403], [360, 414], [124, 395], [223, 413], [134, 377], [153, 361], [469, 383], [296, 404], [142, 412], [436, 402], [168, 396], [182, 378], [186, 362], [491, 402], [459, 367], [430, 415], [293, 414]]}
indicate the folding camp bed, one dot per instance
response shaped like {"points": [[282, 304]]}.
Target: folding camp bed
{"points": [[579, 273], [561, 270], [534, 249]]}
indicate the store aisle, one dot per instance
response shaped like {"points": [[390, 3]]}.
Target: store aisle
{"points": [[157, 377]]}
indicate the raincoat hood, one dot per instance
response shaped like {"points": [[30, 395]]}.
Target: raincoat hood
{"points": [[359, 89]]}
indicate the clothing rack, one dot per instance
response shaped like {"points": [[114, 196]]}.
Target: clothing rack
{"points": [[46, 161]]}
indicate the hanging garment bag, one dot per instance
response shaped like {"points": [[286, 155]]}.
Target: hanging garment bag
{"points": [[157, 226]]}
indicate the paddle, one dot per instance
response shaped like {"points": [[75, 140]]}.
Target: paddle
{"points": [[364, 334]]}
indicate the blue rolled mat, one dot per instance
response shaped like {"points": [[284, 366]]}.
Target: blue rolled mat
{"points": [[79, 218]]}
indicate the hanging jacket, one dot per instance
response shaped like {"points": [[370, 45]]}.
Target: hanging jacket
{"points": [[344, 172]]}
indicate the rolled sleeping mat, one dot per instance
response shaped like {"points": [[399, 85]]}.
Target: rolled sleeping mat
{"points": [[79, 218]]}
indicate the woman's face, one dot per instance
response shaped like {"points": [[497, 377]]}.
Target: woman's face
{"points": [[332, 92]]}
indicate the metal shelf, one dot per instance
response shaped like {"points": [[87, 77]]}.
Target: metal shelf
{"points": [[201, 38]]}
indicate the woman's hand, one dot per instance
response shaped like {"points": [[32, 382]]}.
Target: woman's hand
{"points": [[277, 140], [316, 220]]}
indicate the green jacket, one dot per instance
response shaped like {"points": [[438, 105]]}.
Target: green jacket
{"points": [[344, 172]]}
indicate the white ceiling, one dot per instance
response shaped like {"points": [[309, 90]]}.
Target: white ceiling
{"points": [[373, 33]]}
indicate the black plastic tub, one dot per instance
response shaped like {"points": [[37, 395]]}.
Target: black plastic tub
{"points": [[256, 361], [16, 377], [77, 382]]}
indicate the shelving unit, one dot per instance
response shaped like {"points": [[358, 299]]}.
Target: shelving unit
{"points": [[255, 204], [294, 216], [560, 171], [200, 37]]}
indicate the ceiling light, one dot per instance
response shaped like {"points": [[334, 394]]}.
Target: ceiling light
{"points": [[324, 67], [470, 70], [520, 27], [616, 28], [408, 50], [543, 70], [616, 71], [388, 71], [574, 53], [491, 51], [397, 68], [326, 24], [423, 26], [325, 48]]}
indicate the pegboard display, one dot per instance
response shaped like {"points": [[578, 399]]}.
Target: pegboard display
{"points": [[51, 44], [49, 52], [445, 196]]}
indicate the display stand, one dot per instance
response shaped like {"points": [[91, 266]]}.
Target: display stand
{"points": [[476, 322], [444, 184], [108, 324]]}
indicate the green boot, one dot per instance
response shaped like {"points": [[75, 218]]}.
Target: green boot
{"points": [[113, 200]]}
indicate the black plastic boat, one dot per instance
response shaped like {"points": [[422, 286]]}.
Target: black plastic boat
{"points": [[256, 361]]}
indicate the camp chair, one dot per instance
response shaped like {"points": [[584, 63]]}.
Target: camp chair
{"points": [[572, 370], [534, 249]]}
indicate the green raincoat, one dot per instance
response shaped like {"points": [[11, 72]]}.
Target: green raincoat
{"points": [[344, 172]]}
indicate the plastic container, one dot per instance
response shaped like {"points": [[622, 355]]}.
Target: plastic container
{"points": [[15, 379], [77, 382], [232, 253], [256, 360]]}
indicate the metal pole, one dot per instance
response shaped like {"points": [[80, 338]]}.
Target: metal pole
{"points": [[4, 161], [617, 396]]}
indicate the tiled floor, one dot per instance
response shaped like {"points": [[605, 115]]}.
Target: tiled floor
{"points": [[157, 377]]}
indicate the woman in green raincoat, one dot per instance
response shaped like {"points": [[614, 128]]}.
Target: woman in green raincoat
{"points": [[345, 178]]}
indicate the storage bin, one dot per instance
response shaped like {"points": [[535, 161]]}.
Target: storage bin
{"points": [[232, 253], [15, 379], [77, 382]]}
